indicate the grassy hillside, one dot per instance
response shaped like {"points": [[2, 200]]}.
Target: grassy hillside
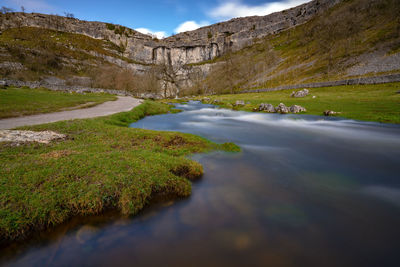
{"points": [[15, 102], [322, 49], [49, 52], [34, 53], [380, 103]]}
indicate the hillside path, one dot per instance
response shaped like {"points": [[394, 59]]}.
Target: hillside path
{"points": [[123, 103]]}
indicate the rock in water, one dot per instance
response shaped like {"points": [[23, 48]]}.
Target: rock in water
{"points": [[330, 113], [297, 109], [281, 108], [301, 93]]}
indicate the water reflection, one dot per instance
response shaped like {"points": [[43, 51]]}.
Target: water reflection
{"points": [[304, 191]]}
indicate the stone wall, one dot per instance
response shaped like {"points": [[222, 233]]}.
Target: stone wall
{"points": [[356, 81], [60, 86]]}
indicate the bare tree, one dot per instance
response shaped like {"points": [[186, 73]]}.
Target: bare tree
{"points": [[69, 15], [171, 73], [5, 10], [23, 9]]}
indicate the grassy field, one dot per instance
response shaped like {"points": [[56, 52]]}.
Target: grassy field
{"points": [[102, 165], [379, 102], [15, 102]]}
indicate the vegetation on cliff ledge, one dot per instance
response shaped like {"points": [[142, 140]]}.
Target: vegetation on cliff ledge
{"points": [[100, 166]]}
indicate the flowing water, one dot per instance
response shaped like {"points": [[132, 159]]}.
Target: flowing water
{"points": [[304, 191]]}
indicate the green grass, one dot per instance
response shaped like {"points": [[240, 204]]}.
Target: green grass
{"points": [[102, 165], [49, 52], [380, 103], [16, 102]]}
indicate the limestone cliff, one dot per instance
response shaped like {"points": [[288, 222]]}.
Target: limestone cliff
{"points": [[189, 47]]}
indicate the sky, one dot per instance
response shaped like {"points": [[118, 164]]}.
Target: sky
{"points": [[159, 17]]}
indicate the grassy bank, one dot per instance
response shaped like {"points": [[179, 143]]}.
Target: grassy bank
{"points": [[15, 102], [380, 103], [102, 165]]}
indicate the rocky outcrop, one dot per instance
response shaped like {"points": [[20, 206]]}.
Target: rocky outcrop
{"points": [[20, 137], [267, 107], [189, 47], [297, 109], [281, 108], [207, 42]]}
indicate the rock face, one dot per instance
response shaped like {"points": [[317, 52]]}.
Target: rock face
{"points": [[297, 109], [267, 107], [18, 137], [189, 47], [281, 108], [301, 93]]}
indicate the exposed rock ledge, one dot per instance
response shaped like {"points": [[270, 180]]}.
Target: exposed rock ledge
{"points": [[19, 137]]}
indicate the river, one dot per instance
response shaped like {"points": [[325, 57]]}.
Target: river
{"points": [[304, 191]]}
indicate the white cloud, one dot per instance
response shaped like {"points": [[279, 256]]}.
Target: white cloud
{"points": [[159, 35], [235, 8], [190, 26], [31, 5]]}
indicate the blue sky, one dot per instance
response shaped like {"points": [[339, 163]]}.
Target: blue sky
{"points": [[160, 17]]}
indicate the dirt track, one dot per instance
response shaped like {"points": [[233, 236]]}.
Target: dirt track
{"points": [[123, 103]]}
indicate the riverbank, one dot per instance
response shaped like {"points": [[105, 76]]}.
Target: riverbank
{"points": [[102, 165], [378, 102]]}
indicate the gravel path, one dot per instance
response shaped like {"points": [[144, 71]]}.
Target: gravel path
{"points": [[123, 103]]}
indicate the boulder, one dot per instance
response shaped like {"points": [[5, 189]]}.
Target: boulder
{"points": [[281, 108], [150, 96], [239, 103], [330, 113], [297, 109], [266, 107], [19, 137], [301, 93]]}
